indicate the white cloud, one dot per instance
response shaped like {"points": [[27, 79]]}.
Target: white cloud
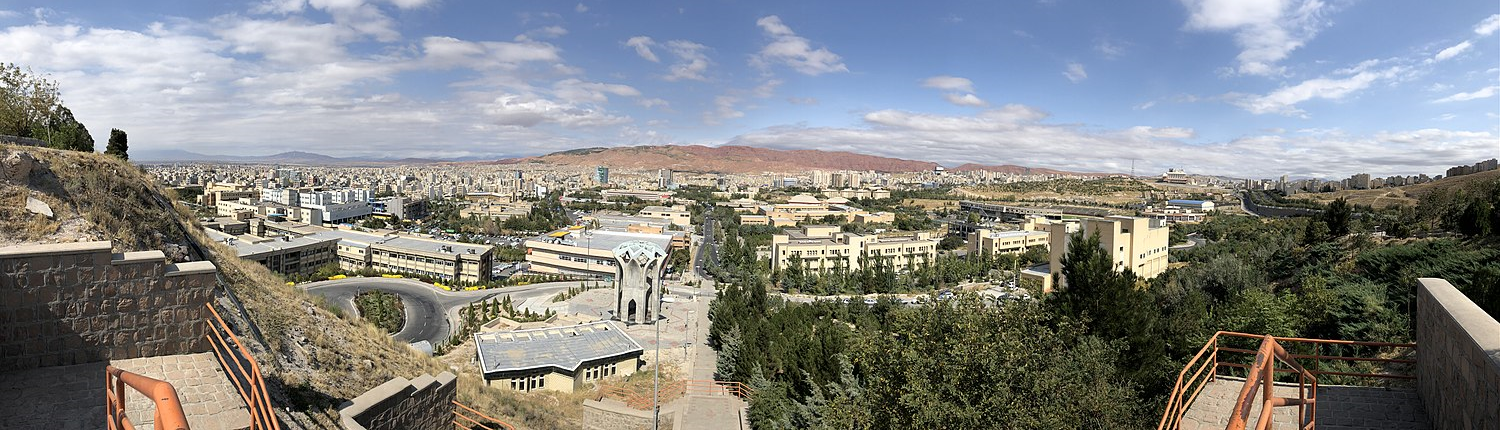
{"points": [[527, 111], [577, 91], [653, 103], [1452, 51], [794, 51], [1021, 34], [1267, 31], [642, 45], [1015, 134], [1488, 26], [1146, 105], [1285, 99], [580, 8], [1482, 93], [766, 89], [691, 61], [1075, 72], [1110, 49], [548, 32], [949, 83], [724, 108], [964, 99], [805, 101], [9, 13]]}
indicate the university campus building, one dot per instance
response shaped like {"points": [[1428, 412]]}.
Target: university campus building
{"points": [[584, 252], [556, 358], [825, 247], [1138, 244]]}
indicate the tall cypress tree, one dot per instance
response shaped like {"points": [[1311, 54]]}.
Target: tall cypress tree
{"points": [[118, 144]]}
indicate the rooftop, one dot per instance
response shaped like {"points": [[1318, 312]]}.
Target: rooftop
{"points": [[252, 245], [564, 348], [605, 240], [358, 238]]}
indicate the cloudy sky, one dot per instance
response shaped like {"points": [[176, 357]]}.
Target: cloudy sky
{"points": [[1249, 88]]}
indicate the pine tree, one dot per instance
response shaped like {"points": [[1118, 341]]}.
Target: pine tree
{"points": [[118, 144]]}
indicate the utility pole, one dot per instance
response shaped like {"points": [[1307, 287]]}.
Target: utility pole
{"points": [[656, 378]]}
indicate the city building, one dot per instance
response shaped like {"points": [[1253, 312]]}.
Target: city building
{"points": [[1175, 176], [583, 252], [678, 215], [400, 207], [1199, 205], [806, 207], [1138, 244], [824, 247], [287, 255], [556, 358], [645, 195], [391, 252], [601, 175], [987, 241]]}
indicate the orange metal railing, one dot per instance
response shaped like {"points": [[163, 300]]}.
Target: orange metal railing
{"points": [[642, 399], [1262, 378], [1206, 365], [465, 417], [243, 371], [168, 414]]}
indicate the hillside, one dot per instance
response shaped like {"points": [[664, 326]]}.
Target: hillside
{"points": [[1400, 196], [724, 159], [314, 356]]}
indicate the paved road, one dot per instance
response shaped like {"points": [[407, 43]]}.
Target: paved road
{"points": [[429, 310]]}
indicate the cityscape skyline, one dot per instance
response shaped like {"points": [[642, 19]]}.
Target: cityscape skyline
{"points": [[1248, 89]]}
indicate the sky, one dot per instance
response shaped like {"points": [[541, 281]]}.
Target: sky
{"points": [[1243, 88]]}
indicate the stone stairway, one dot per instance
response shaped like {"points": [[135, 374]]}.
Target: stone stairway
{"points": [[72, 397], [1339, 407]]}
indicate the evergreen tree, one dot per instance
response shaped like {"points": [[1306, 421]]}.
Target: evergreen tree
{"points": [[1337, 216], [118, 144]]}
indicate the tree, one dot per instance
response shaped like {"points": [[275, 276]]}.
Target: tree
{"points": [[1337, 217], [1114, 308], [27, 101], [63, 131], [1475, 219], [117, 144]]}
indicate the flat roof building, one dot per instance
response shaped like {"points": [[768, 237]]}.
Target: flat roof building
{"points": [[556, 358], [825, 247], [986, 241], [287, 255], [583, 252], [398, 253], [1138, 244]]}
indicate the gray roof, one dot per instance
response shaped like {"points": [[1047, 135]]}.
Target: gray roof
{"points": [[564, 348], [249, 248], [362, 239], [606, 240]]}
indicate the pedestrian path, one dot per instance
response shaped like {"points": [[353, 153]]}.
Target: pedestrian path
{"points": [[1339, 407], [72, 397]]}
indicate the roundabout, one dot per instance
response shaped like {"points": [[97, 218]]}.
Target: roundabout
{"points": [[430, 312]]}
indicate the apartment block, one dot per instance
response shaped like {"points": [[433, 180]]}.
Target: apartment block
{"points": [[822, 247], [992, 242]]}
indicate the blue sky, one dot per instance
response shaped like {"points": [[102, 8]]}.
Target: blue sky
{"points": [[1248, 88]]}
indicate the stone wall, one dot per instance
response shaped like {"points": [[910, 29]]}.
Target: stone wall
{"points": [[418, 404], [1458, 358], [611, 414], [74, 303]]}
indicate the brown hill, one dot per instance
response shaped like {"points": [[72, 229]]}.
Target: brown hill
{"points": [[1018, 170], [724, 159]]}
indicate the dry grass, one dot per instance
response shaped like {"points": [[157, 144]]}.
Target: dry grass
{"points": [[1399, 196]]}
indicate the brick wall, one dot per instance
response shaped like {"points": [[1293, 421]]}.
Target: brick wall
{"points": [[418, 404], [73, 303], [1458, 358]]}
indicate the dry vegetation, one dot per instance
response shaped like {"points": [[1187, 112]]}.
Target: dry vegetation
{"points": [[315, 356], [1380, 198]]}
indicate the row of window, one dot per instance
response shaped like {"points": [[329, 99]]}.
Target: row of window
{"points": [[585, 260], [425, 260], [599, 372], [528, 383]]}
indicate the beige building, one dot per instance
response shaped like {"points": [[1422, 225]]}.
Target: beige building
{"points": [[286, 255], [678, 215], [392, 252], [986, 241], [586, 253], [1138, 244], [823, 247], [804, 207], [556, 358]]}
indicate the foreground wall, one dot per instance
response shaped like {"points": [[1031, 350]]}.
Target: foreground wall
{"points": [[1458, 358], [418, 404], [74, 303]]}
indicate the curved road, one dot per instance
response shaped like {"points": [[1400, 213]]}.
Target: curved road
{"points": [[429, 310]]}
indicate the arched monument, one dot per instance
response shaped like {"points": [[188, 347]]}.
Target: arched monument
{"points": [[638, 272]]}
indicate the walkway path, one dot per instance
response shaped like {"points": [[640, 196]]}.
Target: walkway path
{"points": [[1339, 407], [72, 397]]}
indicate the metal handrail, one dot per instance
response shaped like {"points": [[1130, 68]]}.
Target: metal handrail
{"points": [[168, 413], [251, 386], [1263, 377], [474, 422], [672, 390], [1205, 365]]}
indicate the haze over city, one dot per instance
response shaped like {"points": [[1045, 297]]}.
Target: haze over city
{"points": [[1246, 89]]}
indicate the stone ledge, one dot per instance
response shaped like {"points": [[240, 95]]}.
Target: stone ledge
{"points": [[190, 268], [138, 257], [15, 251], [1474, 322]]}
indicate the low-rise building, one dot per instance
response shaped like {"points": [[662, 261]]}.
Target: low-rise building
{"points": [[584, 252], [645, 195], [556, 358], [987, 241], [400, 253], [677, 215], [1134, 243], [822, 247], [287, 255]]}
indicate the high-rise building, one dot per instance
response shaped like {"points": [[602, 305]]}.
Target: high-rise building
{"points": [[664, 179], [601, 175]]}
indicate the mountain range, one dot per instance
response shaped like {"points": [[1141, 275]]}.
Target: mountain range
{"points": [[692, 158]]}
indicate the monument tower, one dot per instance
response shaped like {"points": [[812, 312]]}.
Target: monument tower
{"points": [[638, 281]]}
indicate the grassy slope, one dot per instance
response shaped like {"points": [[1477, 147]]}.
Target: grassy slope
{"points": [[1402, 196], [314, 354]]}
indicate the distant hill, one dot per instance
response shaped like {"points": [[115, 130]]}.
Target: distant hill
{"points": [[291, 157], [724, 159], [1404, 195], [1017, 170]]}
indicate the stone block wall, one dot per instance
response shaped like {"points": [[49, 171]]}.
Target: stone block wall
{"points": [[1458, 358], [74, 303], [611, 414], [419, 404]]}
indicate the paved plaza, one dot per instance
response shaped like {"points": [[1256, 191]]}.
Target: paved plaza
{"points": [[72, 397], [1339, 407]]}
